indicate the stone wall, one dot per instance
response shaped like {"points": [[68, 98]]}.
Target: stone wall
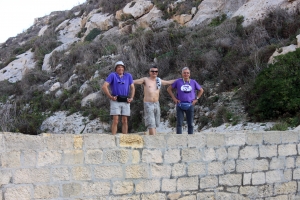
{"points": [[241, 165]]}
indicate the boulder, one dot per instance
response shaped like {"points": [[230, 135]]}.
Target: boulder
{"points": [[182, 19], [16, 69], [138, 8], [91, 98]]}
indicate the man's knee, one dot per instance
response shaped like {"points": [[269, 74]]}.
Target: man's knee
{"points": [[124, 120]]}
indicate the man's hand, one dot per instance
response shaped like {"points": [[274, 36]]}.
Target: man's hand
{"points": [[129, 100]]}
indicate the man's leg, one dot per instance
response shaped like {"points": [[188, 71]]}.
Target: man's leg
{"points": [[114, 125], [190, 119], [152, 131], [179, 114], [124, 125]]}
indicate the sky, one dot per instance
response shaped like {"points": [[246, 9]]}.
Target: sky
{"points": [[17, 16]]}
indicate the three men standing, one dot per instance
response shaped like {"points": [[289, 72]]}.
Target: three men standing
{"points": [[122, 92]]}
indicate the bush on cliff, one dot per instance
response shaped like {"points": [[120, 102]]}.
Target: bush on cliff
{"points": [[276, 91]]}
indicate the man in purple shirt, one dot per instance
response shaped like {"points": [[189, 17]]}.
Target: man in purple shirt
{"points": [[121, 94], [185, 99]]}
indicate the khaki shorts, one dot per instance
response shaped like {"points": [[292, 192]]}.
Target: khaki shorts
{"points": [[119, 108], [152, 114]]}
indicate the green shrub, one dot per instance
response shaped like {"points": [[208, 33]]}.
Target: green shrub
{"points": [[276, 90], [92, 35], [218, 20]]}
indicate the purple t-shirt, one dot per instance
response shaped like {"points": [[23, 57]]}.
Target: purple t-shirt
{"points": [[119, 86], [186, 90]]}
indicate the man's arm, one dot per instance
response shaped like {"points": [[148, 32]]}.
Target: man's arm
{"points": [[139, 81], [169, 90], [200, 93], [106, 91], [132, 92], [169, 82]]}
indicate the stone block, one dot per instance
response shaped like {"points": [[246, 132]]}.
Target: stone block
{"points": [[287, 150], [233, 152], [35, 175], [81, 173], [188, 183], [137, 171], [189, 197], [158, 196], [288, 175], [116, 156], [215, 140], [221, 154], [94, 157], [244, 165], [71, 189], [196, 169], [277, 163], [5, 177], [152, 156], [254, 138], [157, 142], [209, 154], [18, 192], [60, 174], [94, 141], [147, 186], [190, 155], [208, 182], [78, 141], [298, 159], [160, 171], [265, 191], [296, 174], [178, 169], [174, 196], [258, 178], [268, 151], [49, 158], [247, 178], [108, 172], [274, 176], [73, 157], [59, 141], [46, 192], [172, 156], [136, 157], [17, 142], [130, 197], [215, 168], [198, 141], [237, 139], [134, 141], [290, 162], [206, 195], [250, 191], [289, 137], [11, 159], [177, 141], [168, 185], [95, 188], [285, 188], [231, 179], [261, 165], [122, 187], [272, 137], [249, 152], [229, 166], [29, 158]]}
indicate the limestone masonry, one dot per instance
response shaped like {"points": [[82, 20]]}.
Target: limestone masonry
{"points": [[240, 165]]}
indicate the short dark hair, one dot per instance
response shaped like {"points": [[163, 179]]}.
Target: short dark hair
{"points": [[153, 67]]}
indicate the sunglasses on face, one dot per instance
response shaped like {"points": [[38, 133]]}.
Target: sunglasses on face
{"points": [[154, 71], [120, 82]]}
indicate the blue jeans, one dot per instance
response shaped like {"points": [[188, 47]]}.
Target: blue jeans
{"points": [[189, 118]]}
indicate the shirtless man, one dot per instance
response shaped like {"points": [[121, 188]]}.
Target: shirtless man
{"points": [[152, 86]]}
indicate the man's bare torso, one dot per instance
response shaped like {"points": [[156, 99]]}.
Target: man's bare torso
{"points": [[151, 93]]}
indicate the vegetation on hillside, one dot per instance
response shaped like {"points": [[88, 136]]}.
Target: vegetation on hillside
{"points": [[223, 55]]}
